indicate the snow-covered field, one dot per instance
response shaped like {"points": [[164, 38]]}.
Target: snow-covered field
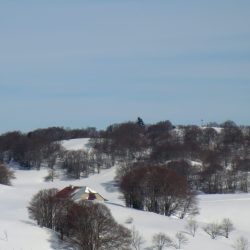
{"points": [[75, 144], [18, 232]]}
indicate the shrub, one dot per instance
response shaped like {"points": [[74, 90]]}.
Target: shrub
{"points": [[212, 229], [5, 175], [161, 240], [158, 189], [226, 227], [192, 227], [241, 243]]}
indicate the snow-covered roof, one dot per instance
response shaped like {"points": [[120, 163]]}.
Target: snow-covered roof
{"points": [[80, 192]]}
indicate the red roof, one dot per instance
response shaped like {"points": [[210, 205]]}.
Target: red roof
{"points": [[66, 192]]}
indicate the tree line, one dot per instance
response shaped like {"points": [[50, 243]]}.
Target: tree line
{"points": [[221, 154], [213, 160], [32, 149], [161, 166]]}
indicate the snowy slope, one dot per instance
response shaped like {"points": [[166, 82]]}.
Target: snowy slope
{"points": [[75, 144], [21, 232], [17, 231]]}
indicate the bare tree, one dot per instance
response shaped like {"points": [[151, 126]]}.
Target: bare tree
{"points": [[137, 239], [212, 229], [91, 226], [5, 175], [51, 161], [43, 206], [87, 225], [241, 243], [192, 226], [5, 236], [189, 205], [161, 240], [158, 189], [76, 163], [243, 181], [60, 220], [226, 227], [181, 240]]}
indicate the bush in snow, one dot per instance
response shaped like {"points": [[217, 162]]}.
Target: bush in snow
{"points": [[191, 227], [181, 240], [129, 220], [5, 175], [137, 239], [241, 243], [222, 229], [4, 237], [161, 241], [226, 227], [212, 229]]}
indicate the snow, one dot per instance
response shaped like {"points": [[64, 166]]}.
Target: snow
{"points": [[76, 144], [195, 163], [217, 129], [17, 231], [234, 206]]}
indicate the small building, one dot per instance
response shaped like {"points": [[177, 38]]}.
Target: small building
{"points": [[79, 193]]}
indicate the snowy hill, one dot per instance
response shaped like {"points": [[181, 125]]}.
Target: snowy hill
{"points": [[17, 231], [75, 144]]}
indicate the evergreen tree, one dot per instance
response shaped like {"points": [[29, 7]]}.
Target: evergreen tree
{"points": [[140, 122]]}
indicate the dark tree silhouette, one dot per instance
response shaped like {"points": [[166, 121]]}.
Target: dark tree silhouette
{"points": [[43, 207], [157, 189], [92, 226], [5, 175]]}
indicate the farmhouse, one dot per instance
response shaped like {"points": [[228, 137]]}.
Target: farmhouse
{"points": [[79, 193]]}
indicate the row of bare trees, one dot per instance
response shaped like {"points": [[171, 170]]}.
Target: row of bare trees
{"points": [[81, 163], [32, 149], [161, 241], [214, 230], [162, 141]]}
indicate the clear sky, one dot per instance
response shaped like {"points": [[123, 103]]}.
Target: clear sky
{"points": [[92, 63]]}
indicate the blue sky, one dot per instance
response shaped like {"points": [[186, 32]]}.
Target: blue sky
{"points": [[93, 63]]}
